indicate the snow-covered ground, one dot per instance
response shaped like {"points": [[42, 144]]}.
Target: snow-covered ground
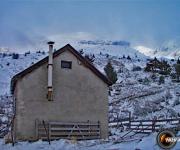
{"points": [[70, 145], [146, 143], [135, 91]]}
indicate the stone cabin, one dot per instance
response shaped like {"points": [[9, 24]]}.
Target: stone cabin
{"points": [[80, 94]]}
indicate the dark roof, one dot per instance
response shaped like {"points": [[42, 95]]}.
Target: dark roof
{"points": [[56, 53]]}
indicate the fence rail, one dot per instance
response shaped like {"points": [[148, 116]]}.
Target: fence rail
{"points": [[136, 95], [67, 130], [147, 126]]}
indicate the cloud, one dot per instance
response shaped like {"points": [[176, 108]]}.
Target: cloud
{"points": [[28, 24], [22, 41], [64, 38]]}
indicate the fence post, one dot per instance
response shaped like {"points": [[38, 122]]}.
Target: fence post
{"points": [[49, 130], [129, 120], [142, 127], [99, 129], [178, 124], [12, 131], [89, 128], [153, 124], [36, 128], [117, 124]]}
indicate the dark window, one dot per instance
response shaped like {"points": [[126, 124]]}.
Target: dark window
{"points": [[66, 64]]}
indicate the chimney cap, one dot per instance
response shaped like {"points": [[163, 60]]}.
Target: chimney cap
{"points": [[50, 43]]}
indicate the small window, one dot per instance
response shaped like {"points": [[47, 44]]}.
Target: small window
{"points": [[66, 64]]}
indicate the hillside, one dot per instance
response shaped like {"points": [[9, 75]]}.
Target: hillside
{"points": [[130, 87], [136, 91]]}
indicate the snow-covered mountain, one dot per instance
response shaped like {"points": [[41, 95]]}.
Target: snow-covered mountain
{"points": [[113, 48], [5, 50], [169, 49], [145, 50]]}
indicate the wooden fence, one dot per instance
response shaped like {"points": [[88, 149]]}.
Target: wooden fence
{"points": [[66, 130], [147, 126], [115, 101]]}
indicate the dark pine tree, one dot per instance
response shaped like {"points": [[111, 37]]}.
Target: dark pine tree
{"points": [[161, 80], [81, 51], [110, 72], [129, 58], [15, 56], [177, 68], [178, 61], [90, 58]]}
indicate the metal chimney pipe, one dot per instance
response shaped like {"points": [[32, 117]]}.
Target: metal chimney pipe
{"points": [[50, 70]]}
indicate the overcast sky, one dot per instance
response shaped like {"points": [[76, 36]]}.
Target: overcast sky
{"points": [[145, 22]]}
